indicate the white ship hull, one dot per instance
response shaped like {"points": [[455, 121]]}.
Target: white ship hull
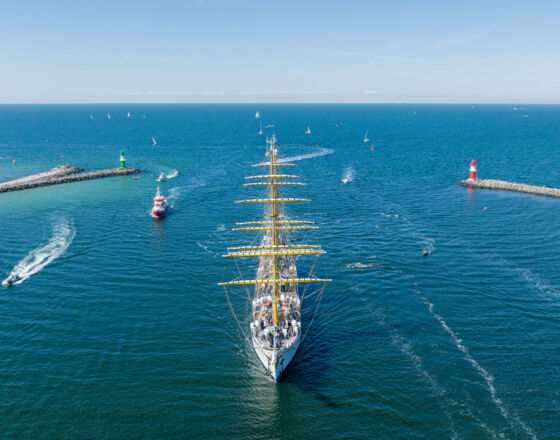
{"points": [[276, 362]]}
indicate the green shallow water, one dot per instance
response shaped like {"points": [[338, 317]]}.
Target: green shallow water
{"points": [[125, 334]]}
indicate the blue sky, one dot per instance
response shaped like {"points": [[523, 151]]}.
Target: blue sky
{"points": [[283, 51]]}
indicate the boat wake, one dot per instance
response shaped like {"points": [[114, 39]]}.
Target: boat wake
{"points": [[319, 153], [428, 243], [172, 174], [167, 173], [406, 348], [37, 259], [178, 191], [360, 265], [488, 378], [348, 175], [205, 248]]}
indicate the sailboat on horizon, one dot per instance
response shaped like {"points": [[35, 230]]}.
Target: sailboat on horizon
{"points": [[154, 143], [108, 116], [366, 139], [257, 115], [275, 325], [308, 131]]}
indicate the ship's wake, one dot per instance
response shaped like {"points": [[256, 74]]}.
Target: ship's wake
{"points": [[348, 175], [172, 174], [37, 259], [320, 152]]}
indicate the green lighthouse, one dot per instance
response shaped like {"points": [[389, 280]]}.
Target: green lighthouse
{"points": [[122, 159]]}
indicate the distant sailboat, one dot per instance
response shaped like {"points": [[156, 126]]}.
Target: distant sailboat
{"points": [[366, 139], [308, 131], [260, 129], [108, 116], [128, 115], [257, 115], [90, 116], [154, 141]]}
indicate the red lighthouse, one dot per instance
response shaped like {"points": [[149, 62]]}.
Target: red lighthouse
{"points": [[472, 170]]}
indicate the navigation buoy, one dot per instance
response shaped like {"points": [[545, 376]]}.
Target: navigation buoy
{"points": [[472, 170], [122, 159]]}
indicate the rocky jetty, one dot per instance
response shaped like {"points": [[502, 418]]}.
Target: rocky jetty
{"points": [[510, 186], [61, 174]]}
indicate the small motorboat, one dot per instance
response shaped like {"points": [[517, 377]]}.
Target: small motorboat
{"points": [[160, 208], [162, 177], [12, 279]]}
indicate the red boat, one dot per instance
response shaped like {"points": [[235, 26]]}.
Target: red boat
{"points": [[160, 208]]}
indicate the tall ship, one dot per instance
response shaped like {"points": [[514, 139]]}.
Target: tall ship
{"points": [[275, 324]]}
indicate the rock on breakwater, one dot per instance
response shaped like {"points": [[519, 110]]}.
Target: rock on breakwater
{"points": [[61, 174], [510, 186]]}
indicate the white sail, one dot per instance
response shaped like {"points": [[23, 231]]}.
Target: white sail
{"points": [[257, 115], [308, 131], [108, 116], [366, 139], [154, 141]]}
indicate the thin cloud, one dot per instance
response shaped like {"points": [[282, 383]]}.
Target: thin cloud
{"points": [[156, 93]]}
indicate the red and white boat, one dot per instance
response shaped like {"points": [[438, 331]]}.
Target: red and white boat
{"points": [[160, 208]]}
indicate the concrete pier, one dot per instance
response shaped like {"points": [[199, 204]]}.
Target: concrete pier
{"points": [[61, 174], [510, 186]]}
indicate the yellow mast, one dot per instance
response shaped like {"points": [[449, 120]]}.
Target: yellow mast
{"points": [[274, 225], [273, 219]]}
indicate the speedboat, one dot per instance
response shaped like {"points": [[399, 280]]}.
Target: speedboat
{"points": [[160, 208], [161, 177], [12, 279]]}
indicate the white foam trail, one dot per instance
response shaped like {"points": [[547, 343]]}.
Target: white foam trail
{"points": [[407, 350], [488, 378], [172, 174], [360, 265], [388, 215], [37, 259], [319, 153], [348, 175], [206, 248], [178, 191]]}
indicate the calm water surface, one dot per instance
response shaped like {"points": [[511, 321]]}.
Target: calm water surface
{"points": [[119, 330]]}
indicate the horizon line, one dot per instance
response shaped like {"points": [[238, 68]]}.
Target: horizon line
{"points": [[283, 103]]}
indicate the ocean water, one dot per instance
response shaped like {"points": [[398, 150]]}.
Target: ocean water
{"points": [[118, 330]]}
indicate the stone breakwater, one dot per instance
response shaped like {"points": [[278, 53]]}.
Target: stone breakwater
{"points": [[61, 174], [511, 186]]}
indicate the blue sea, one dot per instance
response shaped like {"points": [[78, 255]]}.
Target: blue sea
{"points": [[118, 329]]}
